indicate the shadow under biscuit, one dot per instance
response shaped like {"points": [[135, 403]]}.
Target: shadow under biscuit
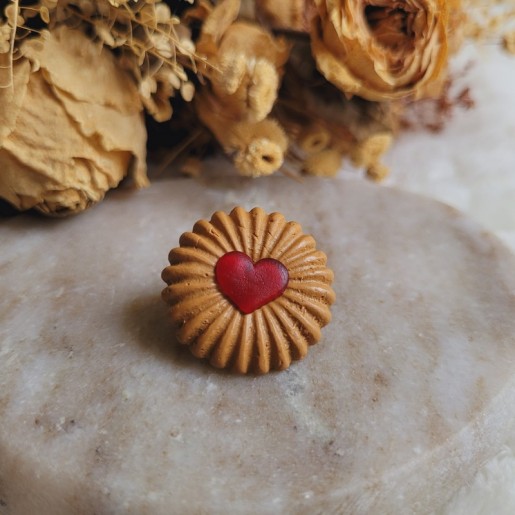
{"points": [[147, 320]]}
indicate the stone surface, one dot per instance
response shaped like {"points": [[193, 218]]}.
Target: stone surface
{"points": [[411, 389]]}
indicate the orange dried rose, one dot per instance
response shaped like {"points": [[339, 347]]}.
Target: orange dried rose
{"points": [[381, 49]]}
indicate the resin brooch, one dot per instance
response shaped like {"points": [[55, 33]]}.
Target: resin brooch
{"points": [[248, 291]]}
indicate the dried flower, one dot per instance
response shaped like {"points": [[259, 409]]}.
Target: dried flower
{"points": [[381, 49], [246, 62], [71, 129], [368, 152], [325, 163], [257, 148], [152, 44], [245, 66], [313, 139], [324, 127]]}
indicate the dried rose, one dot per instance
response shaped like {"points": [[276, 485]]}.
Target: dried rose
{"points": [[256, 148], [381, 49], [71, 127]]}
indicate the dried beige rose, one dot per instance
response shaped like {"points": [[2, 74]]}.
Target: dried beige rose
{"points": [[381, 49], [71, 127]]}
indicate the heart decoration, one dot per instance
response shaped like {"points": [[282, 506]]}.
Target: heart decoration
{"points": [[250, 285]]}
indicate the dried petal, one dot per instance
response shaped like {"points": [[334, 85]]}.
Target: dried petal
{"points": [[292, 15], [12, 99], [94, 81]]}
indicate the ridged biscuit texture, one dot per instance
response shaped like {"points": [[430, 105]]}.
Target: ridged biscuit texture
{"points": [[212, 327]]}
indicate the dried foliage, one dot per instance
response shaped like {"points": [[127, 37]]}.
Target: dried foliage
{"points": [[341, 53], [75, 79], [296, 85], [72, 128]]}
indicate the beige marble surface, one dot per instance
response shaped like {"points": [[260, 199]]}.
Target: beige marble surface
{"points": [[410, 391]]}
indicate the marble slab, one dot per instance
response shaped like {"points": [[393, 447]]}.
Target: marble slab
{"points": [[411, 389]]}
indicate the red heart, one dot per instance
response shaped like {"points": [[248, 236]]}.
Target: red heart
{"points": [[250, 286]]}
